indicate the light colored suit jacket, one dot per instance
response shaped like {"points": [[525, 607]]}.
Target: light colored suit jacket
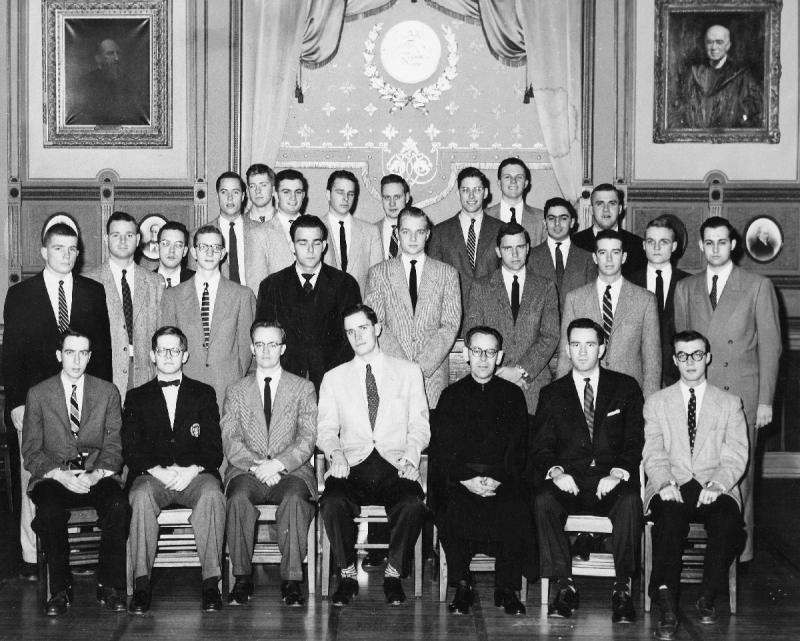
{"points": [[270, 254], [744, 333], [720, 447], [579, 268], [363, 251], [634, 347], [427, 334], [147, 291], [532, 220], [384, 244], [291, 433], [402, 428], [533, 339], [228, 356]]}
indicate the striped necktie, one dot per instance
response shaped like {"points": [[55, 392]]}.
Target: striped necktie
{"points": [[608, 313], [63, 312], [127, 306], [372, 397], [588, 405], [74, 413], [205, 315], [471, 243]]}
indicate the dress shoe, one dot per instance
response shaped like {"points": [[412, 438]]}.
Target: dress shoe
{"points": [[241, 592], [212, 600], [582, 547], [347, 590], [374, 560], [463, 599], [58, 603], [393, 590], [140, 603], [292, 594], [508, 600], [622, 607], [29, 572], [668, 621], [566, 602], [706, 611], [114, 599]]}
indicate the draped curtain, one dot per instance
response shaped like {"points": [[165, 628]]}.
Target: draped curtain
{"points": [[545, 35]]}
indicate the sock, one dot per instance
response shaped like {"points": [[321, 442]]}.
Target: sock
{"points": [[566, 582], [210, 582], [349, 572], [390, 572], [141, 583], [246, 578], [621, 585]]}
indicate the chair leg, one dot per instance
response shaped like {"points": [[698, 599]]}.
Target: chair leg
{"points": [[44, 573], [227, 572], [311, 556], [418, 567], [523, 592], [325, 572], [648, 563], [545, 590], [732, 586], [442, 574]]}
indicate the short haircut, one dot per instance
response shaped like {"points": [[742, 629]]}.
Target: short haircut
{"points": [[230, 174], [208, 229], [663, 222], [59, 229], [174, 225], [75, 333], [560, 202], [689, 335], [609, 234], [472, 172], [169, 330], [715, 222], [413, 212], [372, 317], [484, 329], [586, 323], [345, 175], [608, 187], [511, 229], [308, 222], [257, 169], [392, 179], [290, 174], [121, 216], [514, 161], [267, 324]]}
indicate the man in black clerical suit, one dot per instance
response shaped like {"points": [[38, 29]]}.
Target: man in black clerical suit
{"points": [[172, 445], [660, 243], [608, 208], [35, 315], [584, 458], [173, 246], [479, 447], [307, 299]]}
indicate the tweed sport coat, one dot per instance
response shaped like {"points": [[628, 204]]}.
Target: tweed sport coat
{"points": [[364, 249]]}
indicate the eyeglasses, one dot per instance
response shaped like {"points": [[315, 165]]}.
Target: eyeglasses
{"points": [[166, 244], [204, 248], [696, 356], [270, 346], [172, 351], [477, 352]]}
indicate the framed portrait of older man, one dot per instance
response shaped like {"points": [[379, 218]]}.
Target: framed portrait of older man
{"points": [[106, 73], [717, 71]]}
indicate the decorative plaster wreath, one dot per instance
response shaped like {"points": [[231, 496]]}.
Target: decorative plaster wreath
{"points": [[421, 97]]}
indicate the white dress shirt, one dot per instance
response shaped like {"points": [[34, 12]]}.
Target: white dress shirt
{"points": [[508, 280], [564, 244], [465, 221], [51, 279], [505, 211], [213, 285], [334, 235], [616, 286], [275, 377], [300, 271], [420, 258], [699, 394], [67, 384], [723, 272], [171, 397]]}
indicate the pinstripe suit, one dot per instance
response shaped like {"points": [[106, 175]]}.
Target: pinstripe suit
{"points": [[427, 334], [363, 250]]}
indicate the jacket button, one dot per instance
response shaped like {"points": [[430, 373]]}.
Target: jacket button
{"points": [[730, 342], [726, 388], [724, 364]]}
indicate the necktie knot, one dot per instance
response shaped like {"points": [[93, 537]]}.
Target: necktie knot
{"points": [[205, 287], [516, 278], [658, 271], [176, 383], [414, 262], [232, 224], [169, 281], [691, 391], [308, 277], [61, 283], [558, 245], [124, 271], [587, 380]]}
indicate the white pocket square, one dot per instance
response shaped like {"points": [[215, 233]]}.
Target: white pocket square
{"points": [[616, 411]]}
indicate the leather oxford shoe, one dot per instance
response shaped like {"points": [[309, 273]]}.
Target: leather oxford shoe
{"points": [[582, 547], [667, 621], [393, 590], [508, 600], [463, 599], [706, 611], [292, 594], [140, 603], [622, 607], [241, 592], [347, 590], [58, 603], [29, 571], [566, 602], [114, 599], [212, 600]]}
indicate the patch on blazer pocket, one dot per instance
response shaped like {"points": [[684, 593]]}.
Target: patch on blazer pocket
{"points": [[194, 430], [612, 413]]}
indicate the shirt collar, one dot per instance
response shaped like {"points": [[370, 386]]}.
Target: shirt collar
{"points": [[564, 244], [52, 278], [666, 269]]}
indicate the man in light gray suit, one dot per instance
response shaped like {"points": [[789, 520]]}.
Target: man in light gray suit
{"points": [[738, 311], [514, 180], [269, 426], [418, 303], [354, 244], [523, 307], [395, 196], [628, 315], [133, 298], [215, 314]]}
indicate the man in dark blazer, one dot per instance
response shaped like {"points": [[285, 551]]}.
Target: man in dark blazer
{"points": [[467, 240], [514, 181], [584, 458], [660, 277], [172, 446], [523, 307], [173, 247], [307, 299], [33, 325], [269, 427], [608, 208], [71, 448]]}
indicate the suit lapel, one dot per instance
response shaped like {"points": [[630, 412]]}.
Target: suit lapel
{"points": [[486, 240], [528, 293], [397, 279], [280, 408], [222, 305], [41, 299], [183, 404], [260, 434], [700, 302], [140, 294], [679, 426], [624, 304], [426, 282], [706, 419], [498, 286], [602, 401]]}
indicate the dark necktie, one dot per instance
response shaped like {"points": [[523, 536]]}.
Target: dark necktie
{"points": [[660, 291], [713, 296], [515, 298], [559, 266], [412, 285], [588, 405], [175, 382], [372, 397], [74, 413], [393, 243], [513, 215], [205, 315], [261, 219], [127, 306], [307, 286], [233, 255], [169, 282], [692, 418], [608, 313], [342, 246], [267, 401], [471, 243], [63, 312]]}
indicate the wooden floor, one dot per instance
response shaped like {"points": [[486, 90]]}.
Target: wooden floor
{"points": [[768, 603]]}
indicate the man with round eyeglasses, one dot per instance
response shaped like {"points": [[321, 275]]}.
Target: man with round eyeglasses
{"points": [[173, 247], [695, 454]]}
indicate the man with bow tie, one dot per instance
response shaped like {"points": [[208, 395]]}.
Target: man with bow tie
{"points": [[172, 445]]}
